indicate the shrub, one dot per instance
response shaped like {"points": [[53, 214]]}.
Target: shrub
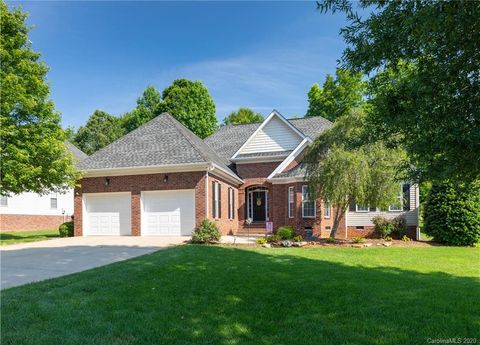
{"points": [[285, 232], [331, 240], [358, 240], [66, 229], [207, 232], [452, 213], [388, 238], [405, 238], [272, 238], [298, 238], [261, 240], [399, 226], [383, 226]]}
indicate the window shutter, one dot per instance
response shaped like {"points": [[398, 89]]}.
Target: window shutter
{"points": [[373, 208], [233, 203], [219, 200], [352, 207], [406, 196], [214, 204]]}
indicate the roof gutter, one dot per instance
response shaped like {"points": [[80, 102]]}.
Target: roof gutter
{"points": [[221, 172], [140, 170]]}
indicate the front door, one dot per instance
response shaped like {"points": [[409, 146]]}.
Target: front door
{"points": [[258, 207]]}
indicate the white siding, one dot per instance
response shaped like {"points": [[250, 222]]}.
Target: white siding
{"points": [[365, 218], [34, 204], [274, 136]]}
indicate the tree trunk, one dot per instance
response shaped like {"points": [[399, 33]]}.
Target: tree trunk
{"points": [[336, 221]]}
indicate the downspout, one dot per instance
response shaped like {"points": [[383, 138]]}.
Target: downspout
{"points": [[210, 168], [206, 194]]}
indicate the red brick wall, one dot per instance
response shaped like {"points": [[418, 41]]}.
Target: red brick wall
{"points": [[227, 226], [136, 184], [279, 216], [29, 222], [256, 170], [369, 232]]}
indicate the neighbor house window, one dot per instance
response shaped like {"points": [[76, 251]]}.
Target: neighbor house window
{"points": [[361, 208], [398, 205], [217, 199], [3, 201], [326, 209], [53, 201], [231, 203], [308, 203], [291, 201]]}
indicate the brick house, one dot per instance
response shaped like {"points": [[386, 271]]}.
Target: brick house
{"points": [[161, 179]]}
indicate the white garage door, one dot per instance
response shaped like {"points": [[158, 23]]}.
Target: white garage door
{"points": [[107, 214], [167, 213]]}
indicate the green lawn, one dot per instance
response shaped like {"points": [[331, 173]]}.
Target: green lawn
{"points": [[225, 295], [26, 236]]}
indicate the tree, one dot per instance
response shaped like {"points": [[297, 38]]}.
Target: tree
{"points": [[191, 104], [101, 129], [242, 115], [147, 108], [337, 96], [343, 167], [428, 53], [33, 156], [452, 213]]}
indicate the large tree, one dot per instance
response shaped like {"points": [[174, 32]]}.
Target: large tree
{"points": [[338, 96], [147, 108], [33, 156], [101, 129], [242, 115], [344, 167], [191, 104], [428, 53]]}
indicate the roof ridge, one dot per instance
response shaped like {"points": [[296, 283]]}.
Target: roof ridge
{"points": [[182, 128]]}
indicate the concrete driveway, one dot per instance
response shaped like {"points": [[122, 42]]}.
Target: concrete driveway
{"points": [[28, 262]]}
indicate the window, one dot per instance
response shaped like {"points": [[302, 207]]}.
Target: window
{"points": [[217, 200], [326, 209], [398, 205], [361, 208], [3, 200], [291, 201], [308, 205], [231, 203], [53, 201]]}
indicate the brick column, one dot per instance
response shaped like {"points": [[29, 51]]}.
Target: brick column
{"points": [[78, 212], [136, 212]]}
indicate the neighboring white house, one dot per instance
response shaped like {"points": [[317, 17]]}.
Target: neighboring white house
{"points": [[31, 211]]}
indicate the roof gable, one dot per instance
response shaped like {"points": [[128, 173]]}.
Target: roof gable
{"points": [[273, 135], [228, 139]]}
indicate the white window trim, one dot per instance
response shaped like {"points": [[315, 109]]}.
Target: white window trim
{"points": [[400, 197], [303, 203], [291, 195], [230, 203], [327, 208], [216, 201], [361, 211]]}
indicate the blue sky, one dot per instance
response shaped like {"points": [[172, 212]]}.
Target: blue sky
{"points": [[102, 55]]}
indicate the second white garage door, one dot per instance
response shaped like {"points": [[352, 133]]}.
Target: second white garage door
{"points": [[168, 213]]}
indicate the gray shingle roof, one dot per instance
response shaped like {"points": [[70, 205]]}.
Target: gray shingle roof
{"points": [[161, 141], [297, 171], [282, 154], [78, 154], [228, 139]]}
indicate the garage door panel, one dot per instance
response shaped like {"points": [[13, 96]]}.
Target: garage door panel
{"points": [[108, 214], [168, 212]]}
